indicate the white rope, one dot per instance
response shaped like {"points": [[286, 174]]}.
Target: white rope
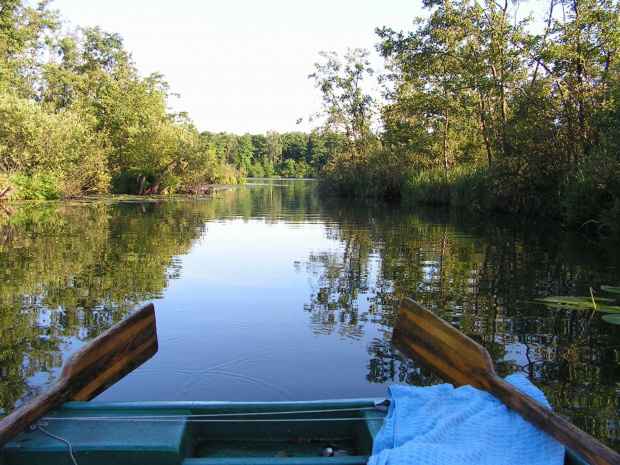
{"points": [[224, 417], [41, 424], [196, 419]]}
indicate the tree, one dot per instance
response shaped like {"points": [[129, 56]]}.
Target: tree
{"points": [[50, 155], [78, 116], [579, 55], [273, 143], [347, 109], [458, 67], [244, 153], [23, 31], [294, 146]]}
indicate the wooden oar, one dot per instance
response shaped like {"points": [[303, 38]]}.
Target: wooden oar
{"points": [[456, 358], [92, 369]]}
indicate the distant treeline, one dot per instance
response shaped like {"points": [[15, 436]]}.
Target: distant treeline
{"points": [[288, 155], [487, 110]]}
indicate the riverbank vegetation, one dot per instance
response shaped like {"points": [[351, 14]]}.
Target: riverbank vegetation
{"points": [[76, 117], [483, 108], [485, 113]]}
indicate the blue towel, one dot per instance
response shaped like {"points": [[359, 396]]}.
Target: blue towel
{"points": [[443, 425]]}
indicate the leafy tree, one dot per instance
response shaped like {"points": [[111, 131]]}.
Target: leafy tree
{"points": [[457, 68], [477, 94], [79, 118], [582, 50], [293, 154], [347, 108], [294, 146], [273, 144], [23, 31]]}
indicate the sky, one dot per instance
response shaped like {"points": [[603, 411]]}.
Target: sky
{"points": [[241, 65]]}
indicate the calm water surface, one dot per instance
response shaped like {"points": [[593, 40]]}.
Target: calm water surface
{"points": [[268, 293]]}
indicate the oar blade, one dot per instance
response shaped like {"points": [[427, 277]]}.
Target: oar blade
{"points": [[454, 357], [92, 369], [440, 347], [112, 355]]}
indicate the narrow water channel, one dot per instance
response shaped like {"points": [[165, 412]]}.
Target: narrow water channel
{"points": [[267, 292]]}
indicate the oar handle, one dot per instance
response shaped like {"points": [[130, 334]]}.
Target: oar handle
{"points": [[582, 444], [21, 418]]}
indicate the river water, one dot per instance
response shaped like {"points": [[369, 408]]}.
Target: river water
{"points": [[268, 293]]}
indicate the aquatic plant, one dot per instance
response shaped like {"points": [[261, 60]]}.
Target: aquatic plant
{"points": [[602, 305]]}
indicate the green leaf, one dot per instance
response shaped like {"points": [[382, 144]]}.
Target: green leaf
{"points": [[578, 303], [608, 309], [611, 289], [567, 300], [564, 306], [613, 318]]}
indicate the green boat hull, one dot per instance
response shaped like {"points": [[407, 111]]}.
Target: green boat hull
{"points": [[194, 433], [203, 433]]}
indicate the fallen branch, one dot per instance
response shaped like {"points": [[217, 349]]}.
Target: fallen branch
{"points": [[154, 189], [6, 193], [7, 210], [590, 223]]}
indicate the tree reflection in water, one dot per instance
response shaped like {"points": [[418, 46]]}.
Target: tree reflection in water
{"points": [[482, 277], [68, 271], [71, 271]]}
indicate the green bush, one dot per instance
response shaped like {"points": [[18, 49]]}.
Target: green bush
{"points": [[592, 198], [40, 186], [225, 174], [57, 151], [126, 183], [428, 187], [346, 176], [256, 170], [289, 168], [466, 187], [469, 187]]}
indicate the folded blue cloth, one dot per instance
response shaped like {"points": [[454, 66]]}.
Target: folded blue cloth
{"points": [[444, 425]]}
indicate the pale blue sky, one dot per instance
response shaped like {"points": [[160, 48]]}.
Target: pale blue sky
{"points": [[241, 65]]}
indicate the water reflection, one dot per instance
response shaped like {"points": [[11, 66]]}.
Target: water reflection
{"points": [[69, 271], [483, 277], [270, 293]]}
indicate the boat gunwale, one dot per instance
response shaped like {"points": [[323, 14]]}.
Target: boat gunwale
{"points": [[284, 406]]}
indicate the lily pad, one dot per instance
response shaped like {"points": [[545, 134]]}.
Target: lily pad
{"points": [[567, 302], [611, 289], [613, 318], [564, 299]]}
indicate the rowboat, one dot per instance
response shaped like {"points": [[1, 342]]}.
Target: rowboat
{"points": [[60, 426], [202, 433], [339, 432]]}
